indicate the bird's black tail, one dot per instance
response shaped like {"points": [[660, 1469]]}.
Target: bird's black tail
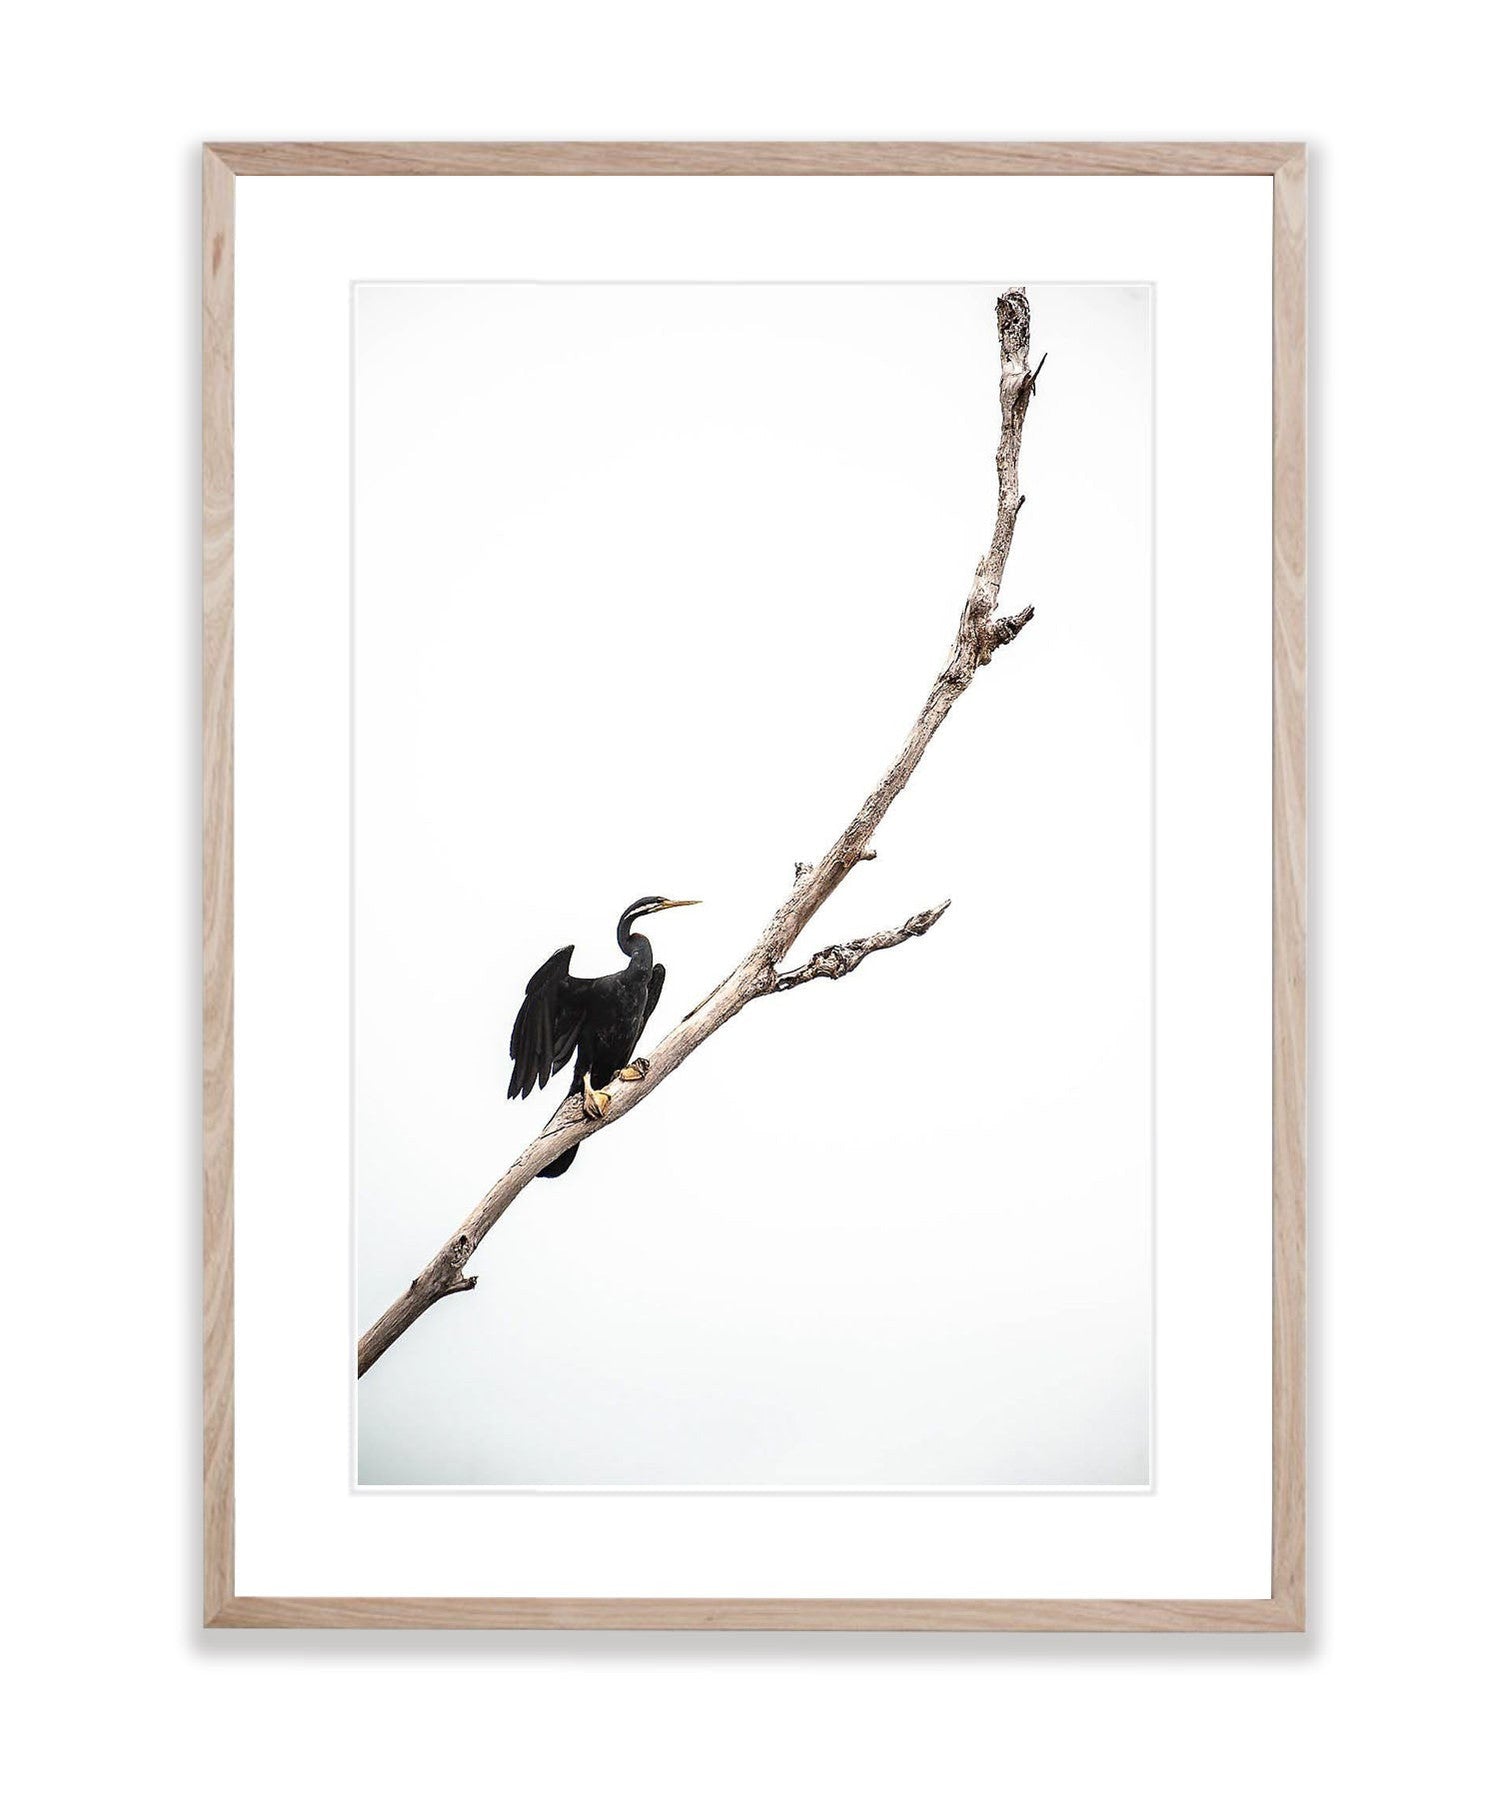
{"points": [[560, 1165]]}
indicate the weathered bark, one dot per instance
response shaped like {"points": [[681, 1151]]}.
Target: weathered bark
{"points": [[839, 959], [981, 630]]}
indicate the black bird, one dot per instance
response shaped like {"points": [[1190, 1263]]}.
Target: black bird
{"points": [[600, 1016]]}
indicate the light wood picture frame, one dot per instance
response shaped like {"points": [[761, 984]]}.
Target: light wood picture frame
{"points": [[1285, 163]]}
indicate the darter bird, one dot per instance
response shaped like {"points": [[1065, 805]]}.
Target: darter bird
{"points": [[600, 1016]]}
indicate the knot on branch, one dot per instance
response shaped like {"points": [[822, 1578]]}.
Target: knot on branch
{"points": [[921, 922], [1013, 311], [996, 632], [832, 963]]}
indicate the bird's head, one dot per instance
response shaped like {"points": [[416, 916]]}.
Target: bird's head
{"points": [[653, 902]]}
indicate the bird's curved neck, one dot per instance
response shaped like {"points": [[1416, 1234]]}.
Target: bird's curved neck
{"points": [[636, 947]]}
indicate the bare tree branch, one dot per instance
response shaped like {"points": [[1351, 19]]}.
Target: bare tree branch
{"points": [[981, 631], [839, 959], [466, 1285]]}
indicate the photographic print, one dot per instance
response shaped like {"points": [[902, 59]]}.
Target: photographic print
{"points": [[752, 885]]}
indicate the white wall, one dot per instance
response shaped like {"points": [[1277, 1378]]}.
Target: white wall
{"points": [[98, 743]]}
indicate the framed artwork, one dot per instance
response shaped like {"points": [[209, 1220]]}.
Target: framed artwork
{"points": [[900, 550]]}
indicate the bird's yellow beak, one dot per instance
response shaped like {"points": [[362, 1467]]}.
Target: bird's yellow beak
{"points": [[666, 905]]}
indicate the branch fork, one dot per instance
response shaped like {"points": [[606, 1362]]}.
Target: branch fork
{"points": [[839, 959], [982, 630]]}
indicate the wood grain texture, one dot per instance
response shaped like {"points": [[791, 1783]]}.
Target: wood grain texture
{"points": [[1285, 1609], [218, 885], [753, 159], [1114, 1615], [1288, 828]]}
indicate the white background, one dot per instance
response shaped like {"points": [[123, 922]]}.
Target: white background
{"points": [[650, 582], [100, 738], [1204, 1529]]}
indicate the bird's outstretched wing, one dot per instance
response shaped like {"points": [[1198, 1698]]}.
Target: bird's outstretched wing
{"points": [[653, 992], [546, 1028]]}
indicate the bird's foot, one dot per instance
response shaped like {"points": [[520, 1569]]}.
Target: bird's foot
{"points": [[637, 1071], [595, 1104]]}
